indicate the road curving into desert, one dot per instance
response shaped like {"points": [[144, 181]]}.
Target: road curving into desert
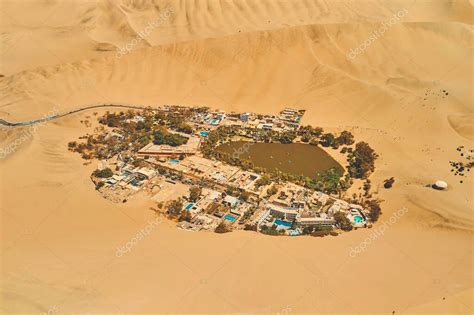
{"points": [[53, 117]]}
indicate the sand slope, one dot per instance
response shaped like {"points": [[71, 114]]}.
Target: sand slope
{"points": [[38, 33], [59, 237]]}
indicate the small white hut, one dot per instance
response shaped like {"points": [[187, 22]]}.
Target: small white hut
{"points": [[440, 185]]}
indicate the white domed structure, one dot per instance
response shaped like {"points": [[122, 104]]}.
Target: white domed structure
{"points": [[441, 185]]}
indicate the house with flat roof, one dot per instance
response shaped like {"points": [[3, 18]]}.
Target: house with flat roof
{"points": [[313, 218], [314, 221], [212, 194], [148, 173], [290, 111], [282, 212], [267, 126], [231, 201]]}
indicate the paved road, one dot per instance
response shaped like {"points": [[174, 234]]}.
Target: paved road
{"points": [[53, 117]]}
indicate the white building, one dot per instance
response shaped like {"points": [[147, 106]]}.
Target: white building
{"points": [[148, 173], [314, 221], [231, 201], [282, 212]]}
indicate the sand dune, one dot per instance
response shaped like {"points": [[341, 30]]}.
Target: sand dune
{"points": [[76, 30], [227, 65], [59, 237], [463, 124]]}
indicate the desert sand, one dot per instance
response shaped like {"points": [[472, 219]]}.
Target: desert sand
{"points": [[59, 238]]}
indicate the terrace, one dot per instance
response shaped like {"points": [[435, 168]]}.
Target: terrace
{"points": [[245, 180]]}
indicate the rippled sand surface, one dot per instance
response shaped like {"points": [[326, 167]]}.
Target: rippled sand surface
{"points": [[407, 91]]}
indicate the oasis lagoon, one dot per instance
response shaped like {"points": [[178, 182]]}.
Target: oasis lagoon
{"points": [[293, 158]]}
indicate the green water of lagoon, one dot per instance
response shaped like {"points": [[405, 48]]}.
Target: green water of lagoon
{"points": [[294, 158]]}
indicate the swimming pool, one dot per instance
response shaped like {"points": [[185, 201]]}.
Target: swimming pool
{"points": [[189, 206], [204, 133], [173, 161], [283, 223], [358, 219], [214, 122], [230, 218]]}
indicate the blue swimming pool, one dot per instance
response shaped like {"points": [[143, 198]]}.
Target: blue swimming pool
{"points": [[230, 218], [173, 161], [189, 206], [204, 133], [358, 219], [214, 122], [283, 223]]}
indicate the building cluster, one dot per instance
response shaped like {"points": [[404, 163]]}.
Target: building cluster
{"points": [[212, 208], [229, 194], [287, 119], [204, 122], [290, 210], [294, 207], [126, 180]]}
